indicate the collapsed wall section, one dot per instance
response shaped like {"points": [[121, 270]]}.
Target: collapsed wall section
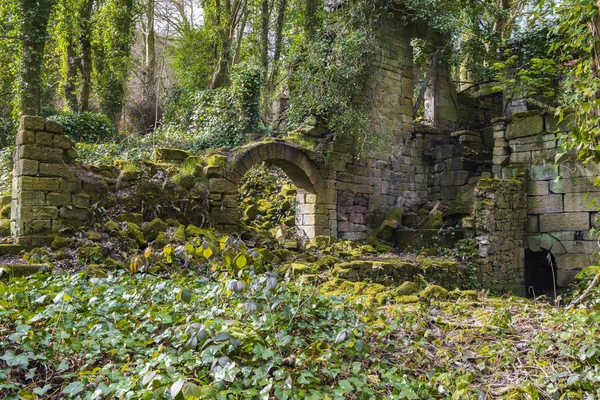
{"points": [[561, 199]]}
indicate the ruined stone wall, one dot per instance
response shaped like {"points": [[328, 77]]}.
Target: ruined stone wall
{"points": [[368, 186], [560, 199], [499, 220], [46, 194]]}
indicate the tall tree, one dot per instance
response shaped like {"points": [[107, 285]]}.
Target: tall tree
{"points": [[35, 33]]}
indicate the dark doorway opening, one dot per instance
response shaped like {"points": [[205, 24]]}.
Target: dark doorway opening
{"points": [[540, 273]]}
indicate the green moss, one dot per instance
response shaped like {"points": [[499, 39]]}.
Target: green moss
{"points": [[94, 236], [161, 240], [179, 235], [322, 242], [153, 228], [586, 275], [59, 242], [133, 231], [5, 211], [192, 231], [395, 214], [173, 223], [380, 246], [325, 262], [112, 226], [304, 269], [112, 263], [406, 299], [432, 292], [288, 190], [131, 217], [267, 256], [184, 180], [407, 288], [216, 160], [470, 295], [251, 212]]}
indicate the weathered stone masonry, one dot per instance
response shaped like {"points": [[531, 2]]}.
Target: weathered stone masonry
{"points": [[46, 195]]}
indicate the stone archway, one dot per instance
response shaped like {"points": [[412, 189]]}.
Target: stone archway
{"points": [[316, 203]]}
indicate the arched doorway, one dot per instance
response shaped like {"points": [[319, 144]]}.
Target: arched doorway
{"points": [[315, 203]]}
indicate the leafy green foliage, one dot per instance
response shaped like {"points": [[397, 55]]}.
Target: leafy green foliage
{"points": [[223, 117], [86, 127]]}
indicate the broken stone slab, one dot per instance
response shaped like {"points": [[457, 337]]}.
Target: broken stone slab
{"points": [[20, 270]]}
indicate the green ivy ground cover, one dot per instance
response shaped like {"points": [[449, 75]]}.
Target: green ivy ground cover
{"points": [[139, 336]]}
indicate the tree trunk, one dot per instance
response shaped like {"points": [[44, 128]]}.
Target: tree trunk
{"points": [[264, 38], [85, 66], [70, 86], [278, 42], [150, 46], [34, 28]]}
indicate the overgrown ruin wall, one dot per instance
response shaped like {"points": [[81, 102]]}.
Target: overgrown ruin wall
{"points": [[46, 194]]}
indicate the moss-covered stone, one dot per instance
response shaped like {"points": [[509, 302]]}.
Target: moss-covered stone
{"points": [[407, 288], [112, 226], [131, 217], [170, 155], [264, 206], [304, 269], [133, 231], [113, 264], [94, 236], [161, 240], [153, 228], [251, 212], [179, 235], [184, 180], [433, 292], [406, 299], [434, 220], [90, 253], [59, 242], [5, 211], [59, 255], [216, 160], [469, 295], [4, 227], [288, 190], [586, 275], [325, 262], [321, 242], [192, 231]]}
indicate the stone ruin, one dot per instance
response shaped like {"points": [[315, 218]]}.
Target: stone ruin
{"points": [[471, 166]]}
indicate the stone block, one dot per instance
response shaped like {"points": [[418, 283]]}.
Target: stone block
{"points": [[568, 265], [37, 227], [542, 172], [225, 216], [62, 142], [537, 188], [25, 137], [528, 126], [77, 214], [455, 178], [29, 183], [81, 200], [533, 224], [581, 202], [70, 186], [58, 170], [40, 153], [581, 247], [545, 204], [578, 170], [32, 123], [520, 157], [27, 167], [44, 212], [574, 185], [53, 126], [58, 199], [44, 139], [564, 222], [221, 185], [32, 198]]}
